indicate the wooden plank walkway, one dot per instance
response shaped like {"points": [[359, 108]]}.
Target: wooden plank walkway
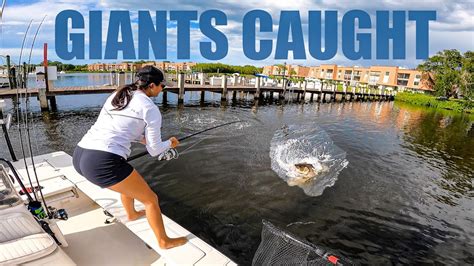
{"points": [[7, 93], [263, 92]]}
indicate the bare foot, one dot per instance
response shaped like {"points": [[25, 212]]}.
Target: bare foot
{"points": [[135, 215], [173, 242]]}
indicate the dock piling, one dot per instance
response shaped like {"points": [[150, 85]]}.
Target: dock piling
{"points": [[257, 88], [121, 79], [10, 78], [113, 78], [181, 88], [165, 97], [43, 99], [224, 88]]}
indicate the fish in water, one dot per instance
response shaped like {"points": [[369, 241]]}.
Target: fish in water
{"points": [[306, 172]]}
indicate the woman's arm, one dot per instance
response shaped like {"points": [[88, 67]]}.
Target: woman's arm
{"points": [[153, 141]]}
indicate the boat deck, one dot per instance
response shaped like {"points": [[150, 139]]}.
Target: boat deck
{"points": [[63, 186], [117, 244]]}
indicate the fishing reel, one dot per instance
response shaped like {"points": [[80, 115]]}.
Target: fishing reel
{"points": [[60, 214], [168, 155]]}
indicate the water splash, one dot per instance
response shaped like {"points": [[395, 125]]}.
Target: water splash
{"points": [[308, 144]]}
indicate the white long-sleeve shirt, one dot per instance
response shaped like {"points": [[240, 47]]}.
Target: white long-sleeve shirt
{"points": [[114, 131]]}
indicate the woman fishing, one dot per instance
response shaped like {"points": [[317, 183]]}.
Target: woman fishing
{"points": [[128, 115]]}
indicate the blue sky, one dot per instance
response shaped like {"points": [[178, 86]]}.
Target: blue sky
{"points": [[454, 28]]}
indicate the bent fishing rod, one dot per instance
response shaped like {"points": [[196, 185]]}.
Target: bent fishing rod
{"points": [[141, 154], [27, 105]]}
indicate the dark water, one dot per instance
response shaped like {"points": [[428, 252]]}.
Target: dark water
{"points": [[406, 195]]}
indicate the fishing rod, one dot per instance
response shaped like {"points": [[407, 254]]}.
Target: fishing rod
{"points": [[18, 179], [141, 154], [23, 46], [27, 104], [33, 43], [4, 3], [18, 111]]}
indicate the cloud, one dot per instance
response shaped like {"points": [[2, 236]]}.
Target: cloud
{"points": [[454, 28]]}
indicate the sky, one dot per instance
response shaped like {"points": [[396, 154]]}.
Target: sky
{"points": [[453, 29]]}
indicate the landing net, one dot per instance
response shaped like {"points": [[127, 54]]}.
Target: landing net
{"points": [[278, 247]]}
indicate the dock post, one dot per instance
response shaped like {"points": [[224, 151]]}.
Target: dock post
{"points": [[25, 75], [52, 102], [234, 96], [181, 88], [121, 79], [311, 98], [165, 97], [43, 99], [305, 87], [257, 89], [203, 96], [10, 78], [203, 79], [281, 92], [113, 78], [224, 88]]}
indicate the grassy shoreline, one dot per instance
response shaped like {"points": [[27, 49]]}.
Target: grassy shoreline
{"points": [[431, 101]]}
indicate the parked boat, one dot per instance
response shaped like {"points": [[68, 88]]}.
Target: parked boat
{"points": [[4, 82]]}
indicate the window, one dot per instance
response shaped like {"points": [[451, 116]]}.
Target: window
{"points": [[403, 76], [402, 82], [387, 73]]}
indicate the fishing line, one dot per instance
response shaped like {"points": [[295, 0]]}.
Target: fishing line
{"points": [[182, 152], [141, 154], [18, 111]]}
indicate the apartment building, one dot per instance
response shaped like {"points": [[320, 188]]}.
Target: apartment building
{"points": [[299, 71], [131, 66], [124, 66], [379, 77], [288, 70], [328, 72], [314, 72]]}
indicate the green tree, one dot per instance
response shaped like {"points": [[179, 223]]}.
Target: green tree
{"points": [[452, 71], [467, 74], [223, 68]]}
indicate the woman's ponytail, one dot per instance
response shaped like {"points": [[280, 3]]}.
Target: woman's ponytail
{"points": [[123, 96]]}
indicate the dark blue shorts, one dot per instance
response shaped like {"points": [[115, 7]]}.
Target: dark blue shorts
{"points": [[102, 168]]}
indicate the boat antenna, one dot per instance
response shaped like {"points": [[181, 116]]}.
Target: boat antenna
{"points": [[27, 105], [20, 134], [141, 154]]}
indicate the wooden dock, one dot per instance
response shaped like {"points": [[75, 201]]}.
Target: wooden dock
{"points": [[258, 92]]}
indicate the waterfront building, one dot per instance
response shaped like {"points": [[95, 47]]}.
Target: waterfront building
{"points": [[374, 77]]}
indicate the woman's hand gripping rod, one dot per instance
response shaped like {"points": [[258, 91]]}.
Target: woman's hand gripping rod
{"points": [[173, 153]]}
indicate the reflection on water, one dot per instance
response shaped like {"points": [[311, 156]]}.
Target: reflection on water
{"points": [[405, 197]]}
